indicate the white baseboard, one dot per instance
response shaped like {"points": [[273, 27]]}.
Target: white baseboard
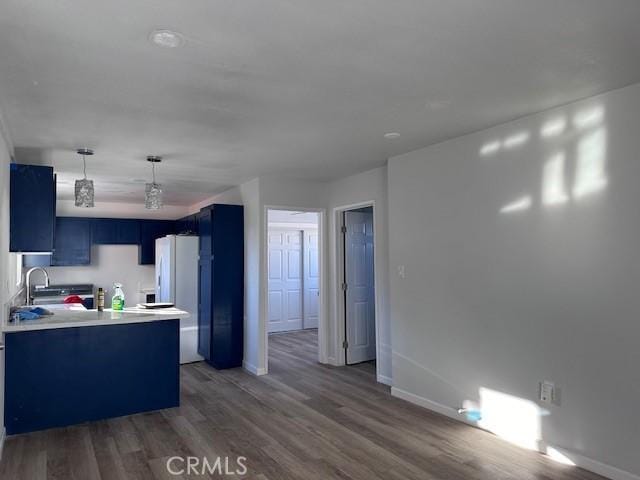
{"points": [[598, 467], [386, 380], [253, 369], [429, 404], [333, 361], [581, 461]]}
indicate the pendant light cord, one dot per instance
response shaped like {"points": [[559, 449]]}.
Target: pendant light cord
{"points": [[153, 172], [84, 166]]}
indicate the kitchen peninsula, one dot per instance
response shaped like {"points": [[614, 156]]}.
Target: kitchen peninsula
{"points": [[76, 366]]}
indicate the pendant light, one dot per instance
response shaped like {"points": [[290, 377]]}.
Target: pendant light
{"points": [[153, 191], [84, 193]]}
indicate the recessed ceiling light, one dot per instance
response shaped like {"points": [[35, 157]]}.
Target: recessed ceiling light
{"points": [[391, 135], [166, 38]]}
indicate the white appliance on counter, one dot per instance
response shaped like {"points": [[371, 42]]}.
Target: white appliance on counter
{"points": [[177, 283]]}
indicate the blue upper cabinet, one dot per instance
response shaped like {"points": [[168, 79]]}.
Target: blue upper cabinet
{"points": [[188, 225], [73, 242], [205, 221], [150, 230], [32, 208], [72, 245], [115, 231]]}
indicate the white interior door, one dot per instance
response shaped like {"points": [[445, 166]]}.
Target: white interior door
{"points": [[311, 279], [360, 294], [285, 280]]}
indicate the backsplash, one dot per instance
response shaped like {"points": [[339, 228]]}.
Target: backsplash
{"points": [[109, 264]]}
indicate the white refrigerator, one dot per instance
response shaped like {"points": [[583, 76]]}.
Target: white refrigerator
{"points": [[177, 283]]}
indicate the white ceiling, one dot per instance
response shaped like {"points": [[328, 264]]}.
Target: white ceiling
{"points": [[300, 88]]}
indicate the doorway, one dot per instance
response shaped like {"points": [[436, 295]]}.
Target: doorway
{"points": [[293, 281], [359, 285]]}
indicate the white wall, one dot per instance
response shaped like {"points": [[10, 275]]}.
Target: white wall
{"points": [[363, 187], [293, 219], [294, 195], [109, 264], [8, 274], [520, 247]]}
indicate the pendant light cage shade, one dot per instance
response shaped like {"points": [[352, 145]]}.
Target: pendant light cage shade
{"points": [[153, 196], [153, 190], [84, 192]]}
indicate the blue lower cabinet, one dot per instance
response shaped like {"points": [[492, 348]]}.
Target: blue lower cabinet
{"points": [[66, 376]]}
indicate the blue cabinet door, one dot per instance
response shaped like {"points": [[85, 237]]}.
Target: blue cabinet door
{"points": [[72, 242], [204, 306], [115, 231], [32, 208], [188, 225], [150, 230], [72, 245], [221, 312], [227, 286], [205, 219]]}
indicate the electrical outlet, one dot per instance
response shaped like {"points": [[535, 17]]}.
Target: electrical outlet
{"points": [[547, 392]]}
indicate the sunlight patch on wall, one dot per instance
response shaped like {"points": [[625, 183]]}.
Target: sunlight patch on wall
{"points": [[490, 148], [516, 140], [590, 175], [520, 205], [588, 118], [553, 181], [553, 128], [515, 419]]}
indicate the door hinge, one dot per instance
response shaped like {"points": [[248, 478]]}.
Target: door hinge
{"points": [[344, 287], [345, 344], [343, 229]]}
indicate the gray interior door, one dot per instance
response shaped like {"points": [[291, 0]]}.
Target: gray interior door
{"points": [[360, 286]]}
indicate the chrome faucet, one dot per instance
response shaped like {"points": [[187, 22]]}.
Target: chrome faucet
{"points": [[28, 282]]}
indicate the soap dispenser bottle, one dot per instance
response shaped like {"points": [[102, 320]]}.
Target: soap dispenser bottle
{"points": [[117, 301]]}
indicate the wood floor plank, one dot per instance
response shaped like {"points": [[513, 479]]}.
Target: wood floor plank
{"points": [[302, 421]]}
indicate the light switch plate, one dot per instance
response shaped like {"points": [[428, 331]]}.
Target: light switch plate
{"points": [[401, 271]]}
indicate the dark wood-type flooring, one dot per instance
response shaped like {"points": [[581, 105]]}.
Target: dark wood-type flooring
{"points": [[302, 421]]}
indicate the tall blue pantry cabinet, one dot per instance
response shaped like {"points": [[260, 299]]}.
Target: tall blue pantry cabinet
{"points": [[221, 295]]}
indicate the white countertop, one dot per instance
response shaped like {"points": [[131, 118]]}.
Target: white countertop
{"points": [[62, 306], [90, 318]]}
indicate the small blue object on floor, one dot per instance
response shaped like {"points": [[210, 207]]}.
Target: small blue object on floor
{"points": [[474, 415]]}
